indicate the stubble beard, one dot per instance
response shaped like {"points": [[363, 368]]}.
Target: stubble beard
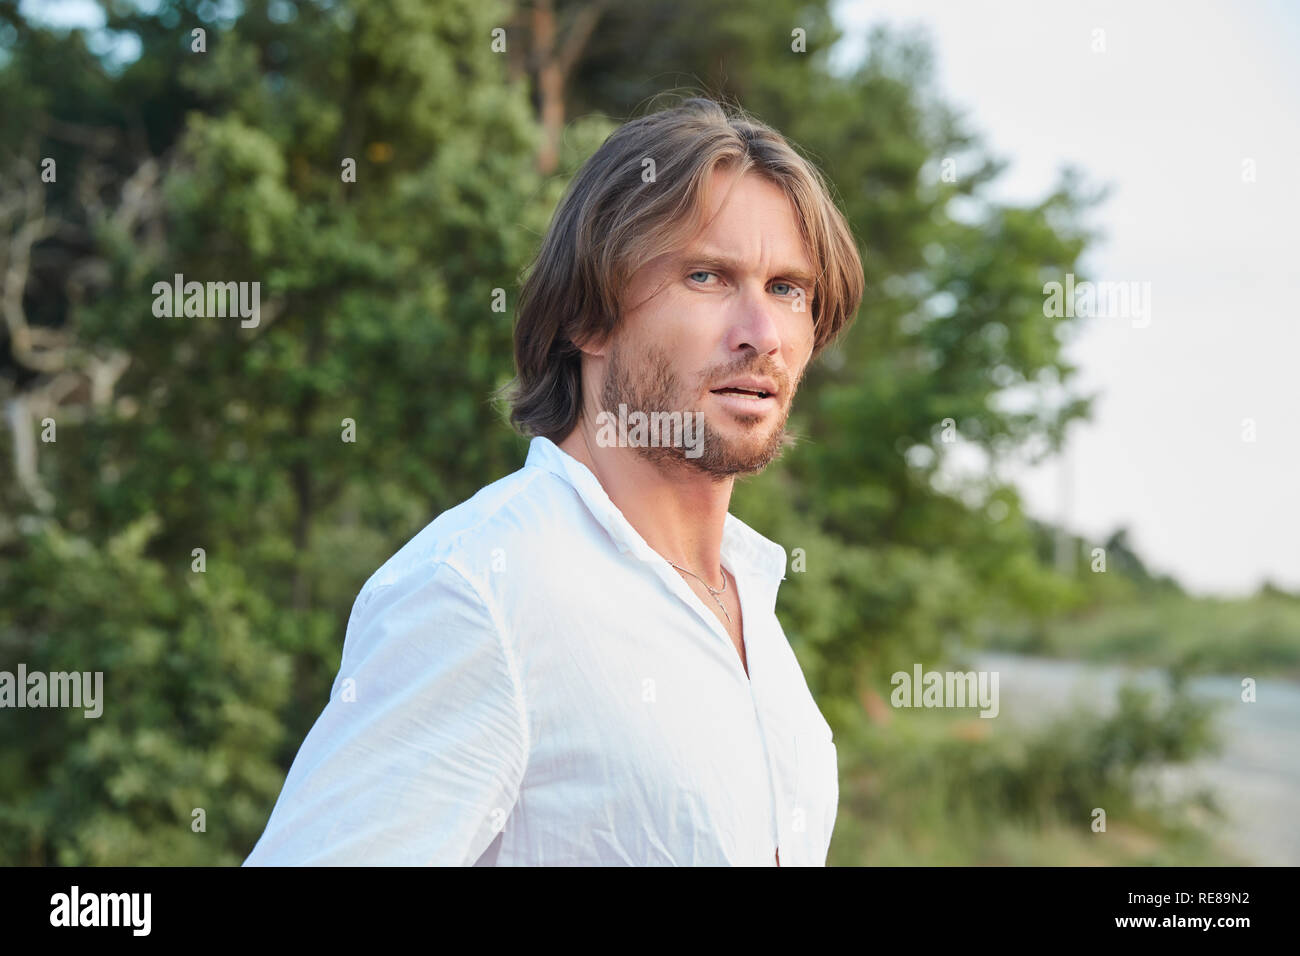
{"points": [[657, 389]]}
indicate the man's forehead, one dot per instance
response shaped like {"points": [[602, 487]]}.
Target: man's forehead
{"points": [[794, 254]]}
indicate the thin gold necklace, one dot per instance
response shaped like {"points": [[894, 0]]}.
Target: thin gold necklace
{"points": [[711, 589]]}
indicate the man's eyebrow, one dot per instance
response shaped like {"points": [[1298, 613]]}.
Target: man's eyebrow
{"points": [[724, 263]]}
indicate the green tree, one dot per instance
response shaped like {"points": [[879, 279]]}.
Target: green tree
{"points": [[376, 306]]}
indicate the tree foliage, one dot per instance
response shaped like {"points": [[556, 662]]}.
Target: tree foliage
{"points": [[377, 295]]}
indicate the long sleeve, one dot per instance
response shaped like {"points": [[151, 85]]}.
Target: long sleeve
{"points": [[418, 757]]}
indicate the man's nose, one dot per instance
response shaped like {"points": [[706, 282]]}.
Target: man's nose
{"points": [[755, 324]]}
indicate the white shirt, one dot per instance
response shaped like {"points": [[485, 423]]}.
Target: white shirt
{"points": [[527, 682]]}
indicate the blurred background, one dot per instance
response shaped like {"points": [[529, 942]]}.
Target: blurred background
{"points": [[1100, 508]]}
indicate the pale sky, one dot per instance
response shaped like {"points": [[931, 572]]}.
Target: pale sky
{"points": [[1181, 95]]}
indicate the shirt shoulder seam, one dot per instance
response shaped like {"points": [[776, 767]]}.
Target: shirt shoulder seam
{"points": [[508, 652], [497, 508]]}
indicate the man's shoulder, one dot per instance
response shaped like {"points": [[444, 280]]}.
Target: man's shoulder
{"points": [[502, 518]]}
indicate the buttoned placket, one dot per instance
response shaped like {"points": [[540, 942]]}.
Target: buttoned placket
{"points": [[627, 539], [675, 584]]}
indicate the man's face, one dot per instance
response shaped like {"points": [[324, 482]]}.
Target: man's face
{"points": [[733, 309]]}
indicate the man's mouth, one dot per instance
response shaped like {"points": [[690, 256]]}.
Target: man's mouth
{"points": [[748, 402]]}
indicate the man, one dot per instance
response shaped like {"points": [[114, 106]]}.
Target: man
{"points": [[581, 665]]}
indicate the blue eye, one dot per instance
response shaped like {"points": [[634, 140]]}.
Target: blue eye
{"points": [[793, 289]]}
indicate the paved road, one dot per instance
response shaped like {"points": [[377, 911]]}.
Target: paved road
{"points": [[1257, 774]]}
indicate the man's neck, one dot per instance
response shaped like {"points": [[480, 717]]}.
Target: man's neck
{"points": [[679, 512]]}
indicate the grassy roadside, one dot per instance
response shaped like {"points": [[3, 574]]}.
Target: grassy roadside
{"points": [[930, 788]]}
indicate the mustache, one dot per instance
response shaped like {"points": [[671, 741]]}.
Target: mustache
{"points": [[767, 369]]}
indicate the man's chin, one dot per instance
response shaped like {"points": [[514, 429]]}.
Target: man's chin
{"points": [[728, 455]]}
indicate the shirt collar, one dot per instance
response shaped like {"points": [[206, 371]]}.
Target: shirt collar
{"points": [[742, 546]]}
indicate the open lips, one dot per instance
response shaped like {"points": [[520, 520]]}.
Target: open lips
{"points": [[753, 388]]}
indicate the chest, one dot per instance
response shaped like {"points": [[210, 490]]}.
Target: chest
{"points": [[657, 731], [725, 605], [647, 725]]}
